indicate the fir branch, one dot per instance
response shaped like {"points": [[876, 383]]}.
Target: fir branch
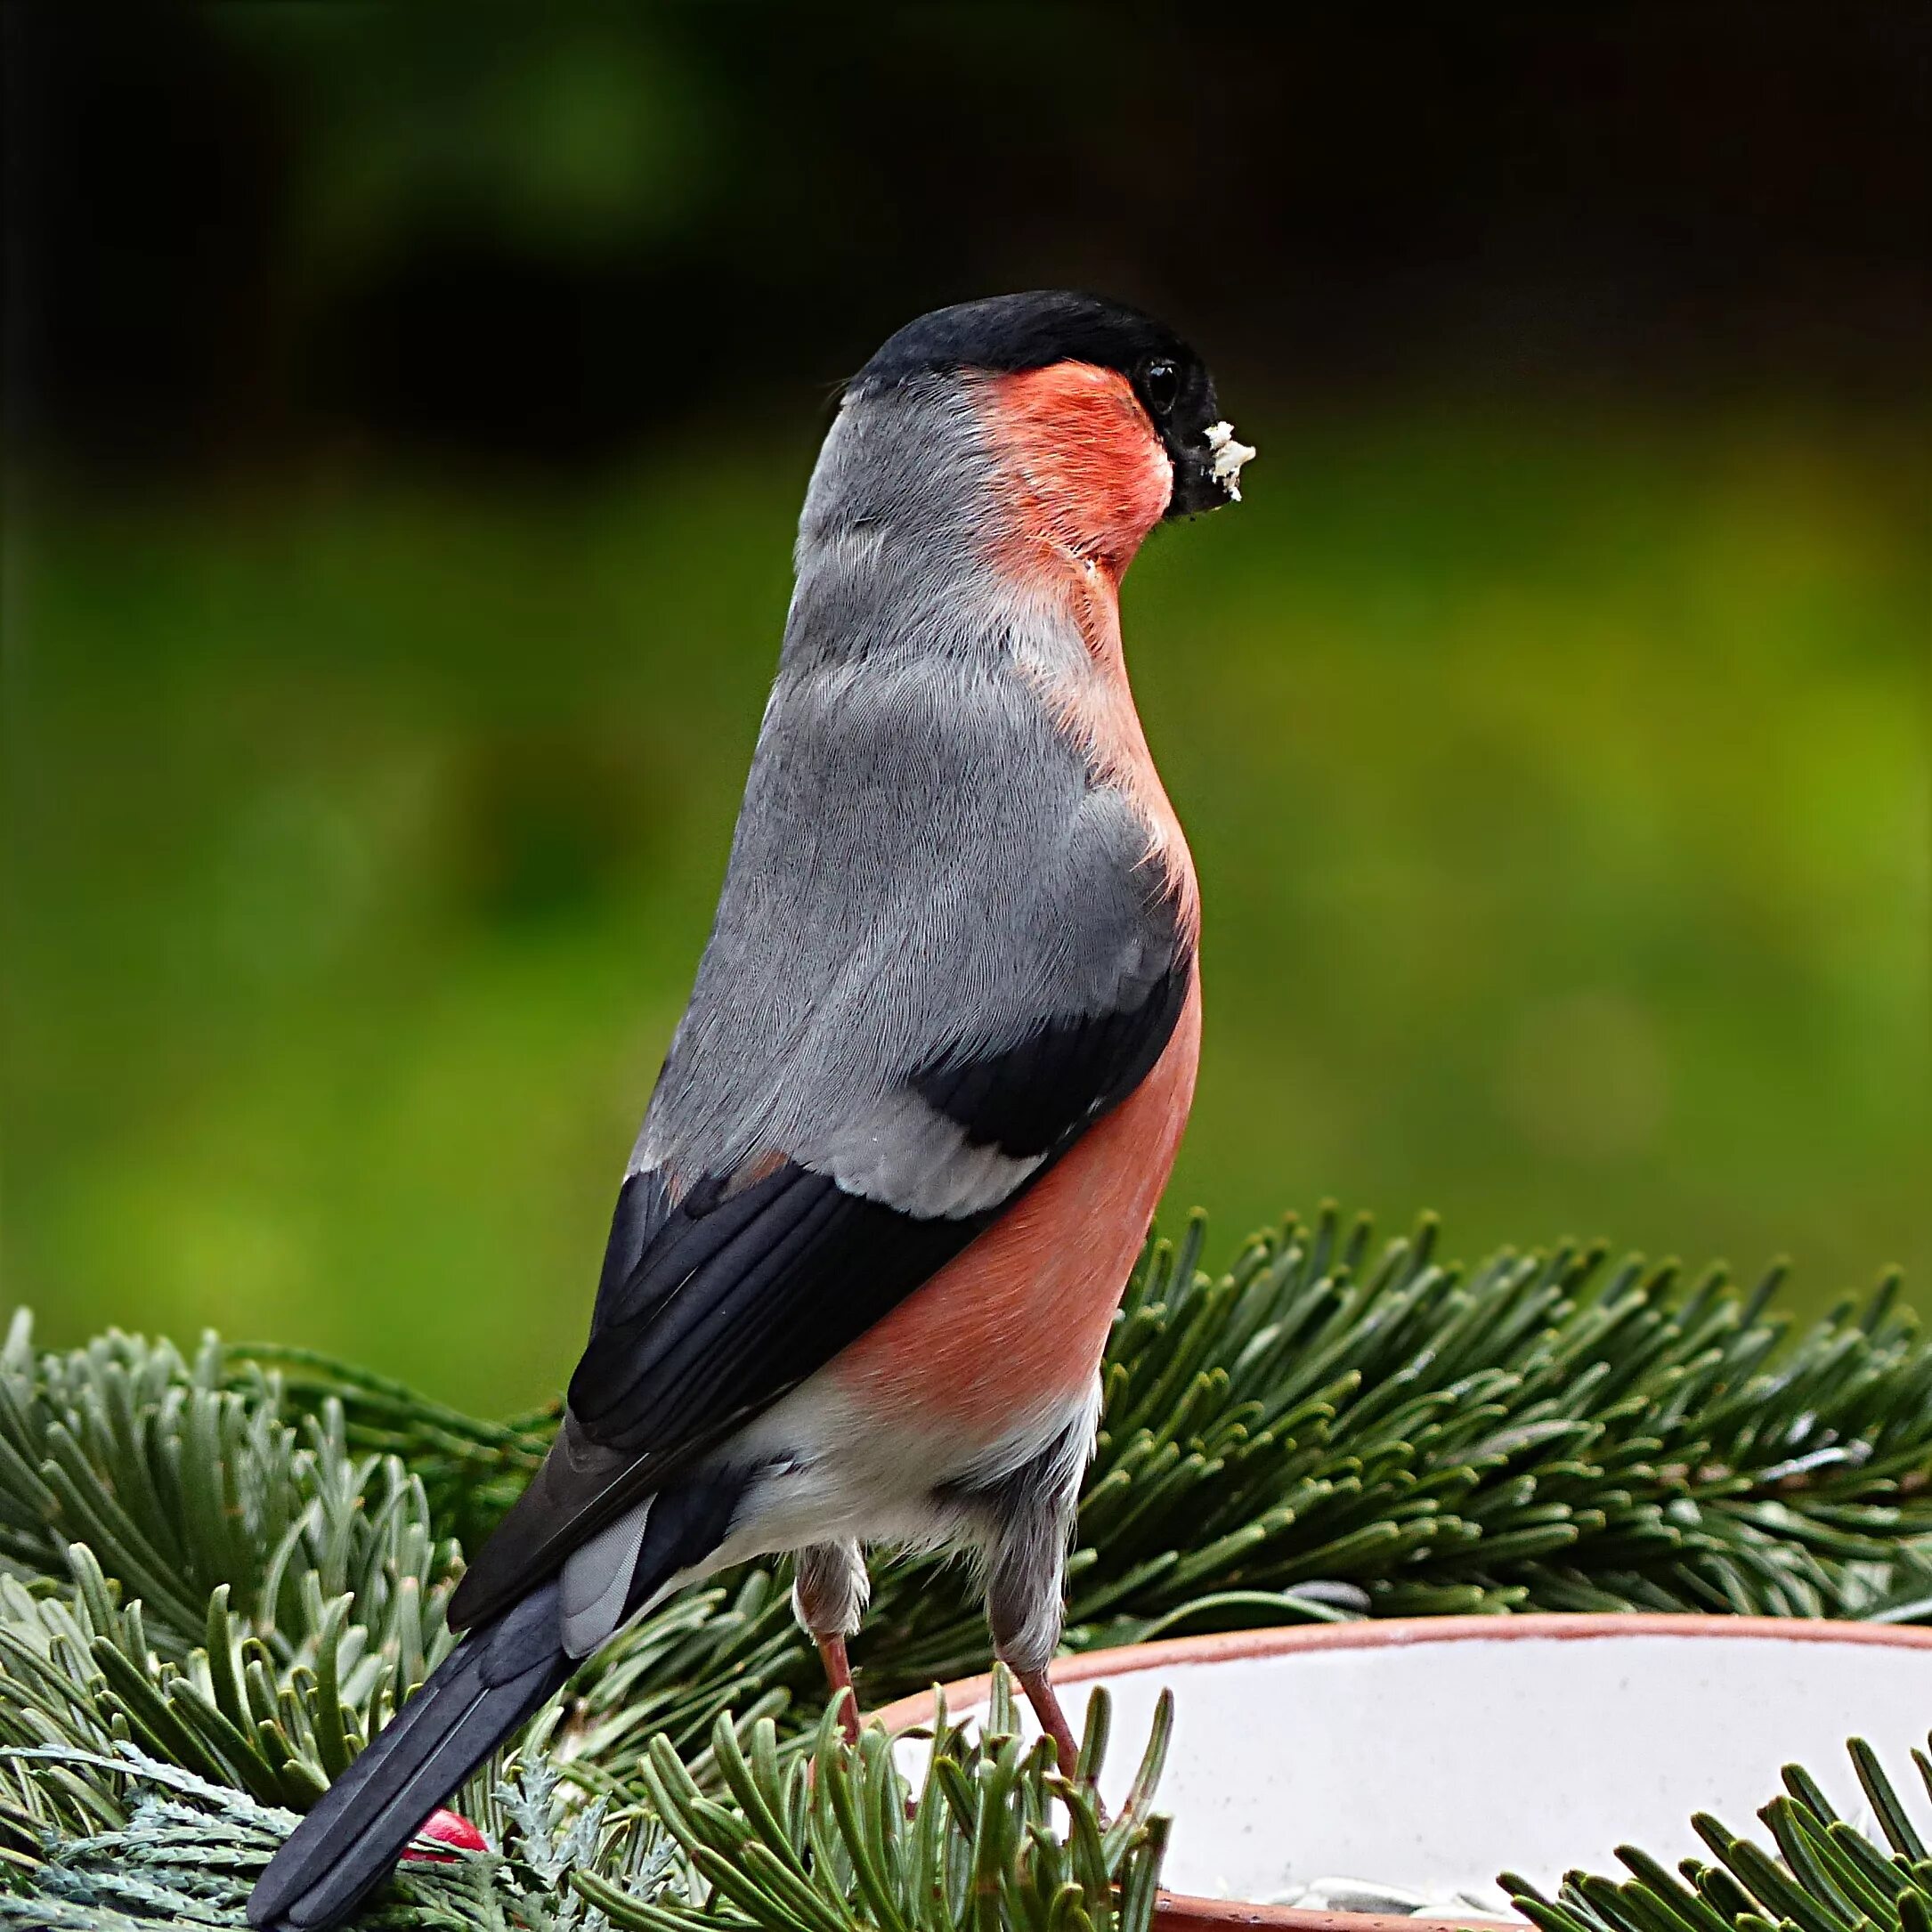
{"points": [[241, 1595], [1825, 1875], [842, 1841], [833, 1840], [238, 1562], [471, 1470], [191, 1850]]}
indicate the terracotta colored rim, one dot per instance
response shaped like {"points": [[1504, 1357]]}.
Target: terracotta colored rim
{"points": [[1401, 1632], [1175, 1911], [1178, 1913]]}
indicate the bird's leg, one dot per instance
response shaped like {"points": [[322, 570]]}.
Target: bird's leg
{"points": [[1029, 1526], [829, 1588], [839, 1676], [1045, 1702]]}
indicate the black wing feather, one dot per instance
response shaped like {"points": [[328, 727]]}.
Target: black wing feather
{"points": [[711, 1308], [1033, 1098]]}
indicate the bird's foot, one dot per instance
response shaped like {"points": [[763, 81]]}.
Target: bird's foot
{"points": [[1045, 1702], [1046, 1707]]}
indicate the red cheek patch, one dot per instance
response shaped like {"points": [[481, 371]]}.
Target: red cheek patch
{"points": [[1089, 475]]}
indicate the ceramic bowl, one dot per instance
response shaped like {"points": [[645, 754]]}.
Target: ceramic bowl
{"points": [[1431, 1753]]}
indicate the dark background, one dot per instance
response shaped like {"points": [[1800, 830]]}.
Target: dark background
{"points": [[408, 408]]}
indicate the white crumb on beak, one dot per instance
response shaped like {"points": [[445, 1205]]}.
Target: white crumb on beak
{"points": [[1228, 457]]}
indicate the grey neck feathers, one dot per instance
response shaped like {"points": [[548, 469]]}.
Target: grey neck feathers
{"points": [[903, 504]]}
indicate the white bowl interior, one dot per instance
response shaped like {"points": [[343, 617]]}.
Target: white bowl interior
{"points": [[1434, 1764]]}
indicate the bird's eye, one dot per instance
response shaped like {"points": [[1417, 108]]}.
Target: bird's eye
{"points": [[1160, 383]]}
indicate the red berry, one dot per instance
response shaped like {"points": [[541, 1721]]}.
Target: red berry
{"points": [[448, 1828]]}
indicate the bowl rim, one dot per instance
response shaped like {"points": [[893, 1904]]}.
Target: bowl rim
{"points": [[1178, 1912], [1370, 1633]]}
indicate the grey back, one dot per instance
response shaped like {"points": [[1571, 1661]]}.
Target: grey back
{"points": [[923, 865]]}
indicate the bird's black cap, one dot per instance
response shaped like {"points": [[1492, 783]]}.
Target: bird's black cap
{"points": [[1006, 334]]}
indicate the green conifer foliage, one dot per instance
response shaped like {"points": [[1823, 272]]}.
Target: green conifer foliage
{"points": [[219, 1575]]}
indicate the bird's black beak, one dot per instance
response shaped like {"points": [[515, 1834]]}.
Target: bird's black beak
{"points": [[1207, 470]]}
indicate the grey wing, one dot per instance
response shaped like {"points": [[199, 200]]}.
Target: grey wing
{"points": [[924, 872], [940, 954]]}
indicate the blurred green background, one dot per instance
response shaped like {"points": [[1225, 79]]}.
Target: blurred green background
{"points": [[410, 410]]}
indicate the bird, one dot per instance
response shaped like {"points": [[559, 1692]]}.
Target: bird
{"points": [[909, 1134]]}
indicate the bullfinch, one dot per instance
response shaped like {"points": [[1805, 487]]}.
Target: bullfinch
{"points": [[912, 1128]]}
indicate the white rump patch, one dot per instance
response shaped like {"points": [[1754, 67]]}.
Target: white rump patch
{"points": [[908, 1155]]}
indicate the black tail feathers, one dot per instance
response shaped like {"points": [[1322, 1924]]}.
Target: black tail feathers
{"points": [[494, 1679]]}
